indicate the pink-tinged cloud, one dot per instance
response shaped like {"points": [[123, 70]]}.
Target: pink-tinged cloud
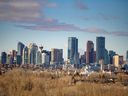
{"points": [[57, 27], [120, 33], [17, 10], [54, 27], [24, 11], [29, 14], [80, 5]]}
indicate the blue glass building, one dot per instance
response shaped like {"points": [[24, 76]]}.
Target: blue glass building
{"points": [[106, 59], [33, 53], [3, 58], [72, 49], [111, 54], [100, 49], [20, 47]]}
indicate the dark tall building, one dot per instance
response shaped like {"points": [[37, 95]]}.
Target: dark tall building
{"points": [[83, 59], [94, 56], [106, 59], [18, 59], [90, 52], [127, 56], [25, 55], [3, 58], [56, 56], [100, 49], [20, 47], [111, 54], [72, 49], [13, 54]]}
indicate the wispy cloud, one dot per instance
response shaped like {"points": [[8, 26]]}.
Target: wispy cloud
{"points": [[80, 5], [108, 17], [51, 5], [53, 26], [100, 16], [120, 33], [95, 30]]}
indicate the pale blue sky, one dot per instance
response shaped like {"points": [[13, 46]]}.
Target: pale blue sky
{"points": [[51, 22]]}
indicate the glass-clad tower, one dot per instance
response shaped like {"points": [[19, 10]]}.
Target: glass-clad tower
{"points": [[100, 49], [72, 49]]}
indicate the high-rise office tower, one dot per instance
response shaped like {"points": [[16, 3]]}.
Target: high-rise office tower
{"points": [[10, 59], [72, 49], [100, 49], [118, 60], [127, 56], [33, 53], [106, 57], [94, 56], [3, 58], [39, 58], [45, 59], [56, 56], [48, 53], [25, 55], [20, 47], [111, 54], [14, 56], [90, 52], [83, 59]]}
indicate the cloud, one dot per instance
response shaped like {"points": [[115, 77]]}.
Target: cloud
{"points": [[18, 10], [52, 5], [52, 25], [120, 33], [95, 30], [29, 14], [108, 17], [100, 16], [80, 5], [23, 11]]}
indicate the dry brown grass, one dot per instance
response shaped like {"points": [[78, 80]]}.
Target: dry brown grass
{"points": [[24, 83]]}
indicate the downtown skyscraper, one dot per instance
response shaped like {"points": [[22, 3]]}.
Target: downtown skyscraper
{"points": [[73, 50], [56, 56], [33, 49], [20, 47], [25, 55], [90, 52], [127, 55], [100, 49], [3, 58]]}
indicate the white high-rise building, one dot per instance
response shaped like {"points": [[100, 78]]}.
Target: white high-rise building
{"points": [[45, 59]]}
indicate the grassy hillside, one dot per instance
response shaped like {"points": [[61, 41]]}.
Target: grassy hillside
{"points": [[26, 83]]}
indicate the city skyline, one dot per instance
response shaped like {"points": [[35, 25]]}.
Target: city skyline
{"points": [[73, 47], [51, 22]]}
